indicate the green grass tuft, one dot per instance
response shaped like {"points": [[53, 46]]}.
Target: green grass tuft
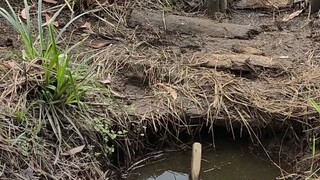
{"points": [[62, 85]]}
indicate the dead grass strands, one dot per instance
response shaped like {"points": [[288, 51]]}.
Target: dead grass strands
{"points": [[217, 97]]}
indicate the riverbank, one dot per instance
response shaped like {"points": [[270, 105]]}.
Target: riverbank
{"points": [[154, 76]]}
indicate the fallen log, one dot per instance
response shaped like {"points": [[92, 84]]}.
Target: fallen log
{"points": [[190, 25], [243, 62]]}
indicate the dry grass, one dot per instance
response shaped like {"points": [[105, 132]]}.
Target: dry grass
{"points": [[29, 147], [216, 97]]}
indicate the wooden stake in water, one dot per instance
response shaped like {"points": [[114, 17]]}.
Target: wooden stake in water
{"points": [[196, 161]]}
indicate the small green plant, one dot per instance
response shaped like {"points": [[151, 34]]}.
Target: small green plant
{"points": [[61, 85], [20, 115], [102, 127], [23, 143]]}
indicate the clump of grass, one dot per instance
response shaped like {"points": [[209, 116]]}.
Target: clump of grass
{"points": [[52, 94], [61, 86]]}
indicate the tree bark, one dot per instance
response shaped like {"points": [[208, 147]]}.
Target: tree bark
{"points": [[223, 5], [315, 6], [213, 6]]}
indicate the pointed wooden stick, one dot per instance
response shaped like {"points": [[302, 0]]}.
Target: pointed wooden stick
{"points": [[196, 161]]}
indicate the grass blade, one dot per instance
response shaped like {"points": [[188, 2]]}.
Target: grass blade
{"points": [[315, 105], [40, 30]]}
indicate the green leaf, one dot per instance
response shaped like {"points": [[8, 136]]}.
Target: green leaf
{"points": [[315, 105]]}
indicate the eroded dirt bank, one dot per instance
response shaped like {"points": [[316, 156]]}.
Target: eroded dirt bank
{"points": [[246, 71], [172, 73]]}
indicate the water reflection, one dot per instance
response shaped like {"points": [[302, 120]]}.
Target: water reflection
{"points": [[170, 175]]}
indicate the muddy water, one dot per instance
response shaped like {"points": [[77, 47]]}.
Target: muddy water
{"points": [[231, 160]]}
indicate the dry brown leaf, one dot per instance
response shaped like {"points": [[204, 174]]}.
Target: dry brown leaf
{"points": [[50, 1], [171, 91], [23, 13], [292, 15], [48, 18], [8, 65], [12, 64], [73, 151], [98, 44], [87, 27]]}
